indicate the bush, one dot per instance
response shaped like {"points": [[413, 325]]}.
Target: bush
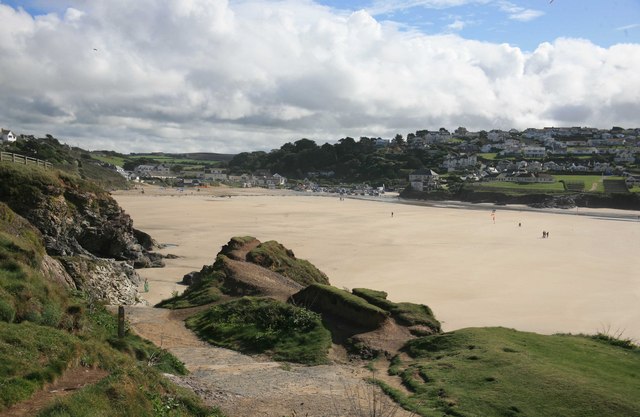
{"points": [[257, 325]]}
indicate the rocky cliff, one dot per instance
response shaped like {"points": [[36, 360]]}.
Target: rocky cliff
{"points": [[83, 228]]}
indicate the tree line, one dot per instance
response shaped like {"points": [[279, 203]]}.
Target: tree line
{"points": [[346, 160]]}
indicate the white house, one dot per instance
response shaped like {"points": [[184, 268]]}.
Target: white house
{"points": [[215, 174], [424, 179], [452, 162], [534, 151], [7, 136], [149, 171]]}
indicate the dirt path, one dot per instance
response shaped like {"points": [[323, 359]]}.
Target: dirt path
{"points": [[72, 380], [252, 386]]}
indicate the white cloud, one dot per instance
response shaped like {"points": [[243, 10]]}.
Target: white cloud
{"points": [[456, 25], [215, 76], [628, 27], [390, 6], [526, 15], [518, 13]]}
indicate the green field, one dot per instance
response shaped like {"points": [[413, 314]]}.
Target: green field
{"points": [[512, 187], [503, 372], [592, 183], [113, 160]]}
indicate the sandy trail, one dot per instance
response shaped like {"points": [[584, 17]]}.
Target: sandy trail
{"points": [[248, 386], [468, 269]]}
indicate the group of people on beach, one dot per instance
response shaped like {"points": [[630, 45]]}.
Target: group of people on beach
{"points": [[545, 234]]}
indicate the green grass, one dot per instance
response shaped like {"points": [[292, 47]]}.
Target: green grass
{"points": [[408, 314], [345, 297], [488, 155], [556, 187], [113, 160], [260, 325], [32, 355], [588, 181], [503, 372], [512, 187], [130, 391], [24, 294], [274, 256], [45, 329], [207, 290]]}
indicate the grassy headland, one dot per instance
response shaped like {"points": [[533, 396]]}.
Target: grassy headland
{"points": [[504, 372]]}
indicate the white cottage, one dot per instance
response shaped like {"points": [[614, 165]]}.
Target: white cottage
{"points": [[7, 136]]}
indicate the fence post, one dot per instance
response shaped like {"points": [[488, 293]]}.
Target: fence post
{"points": [[120, 322]]}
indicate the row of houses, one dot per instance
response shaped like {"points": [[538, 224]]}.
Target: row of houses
{"points": [[261, 178]]}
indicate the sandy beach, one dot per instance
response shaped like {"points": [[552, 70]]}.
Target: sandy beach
{"points": [[471, 270]]}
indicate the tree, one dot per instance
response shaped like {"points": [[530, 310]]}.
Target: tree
{"points": [[304, 144], [398, 141]]}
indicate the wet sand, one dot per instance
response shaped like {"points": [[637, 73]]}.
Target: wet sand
{"points": [[470, 270]]}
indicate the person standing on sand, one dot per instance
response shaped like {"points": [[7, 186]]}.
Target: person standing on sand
{"points": [[392, 214]]}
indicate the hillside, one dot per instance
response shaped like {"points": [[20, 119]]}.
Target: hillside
{"points": [[504, 372], [73, 160], [52, 332], [83, 227]]}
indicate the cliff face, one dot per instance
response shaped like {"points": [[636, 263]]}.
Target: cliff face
{"points": [[83, 227]]}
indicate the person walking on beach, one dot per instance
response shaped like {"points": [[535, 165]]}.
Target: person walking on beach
{"points": [[544, 234], [392, 214]]}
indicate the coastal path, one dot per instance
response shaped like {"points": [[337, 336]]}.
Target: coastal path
{"points": [[252, 386]]}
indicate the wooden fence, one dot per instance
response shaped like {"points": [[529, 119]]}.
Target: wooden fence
{"points": [[24, 160]]}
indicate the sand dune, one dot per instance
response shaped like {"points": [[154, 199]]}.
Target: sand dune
{"points": [[471, 271]]}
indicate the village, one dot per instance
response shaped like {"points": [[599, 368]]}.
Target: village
{"points": [[530, 156]]}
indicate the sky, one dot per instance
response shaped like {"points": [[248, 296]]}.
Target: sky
{"points": [[229, 76]]}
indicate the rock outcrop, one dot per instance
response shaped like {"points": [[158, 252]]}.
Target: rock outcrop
{"points": [[83, 227], [114, 282]]}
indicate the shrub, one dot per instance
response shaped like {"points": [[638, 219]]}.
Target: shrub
{"points": [[257, 325]]}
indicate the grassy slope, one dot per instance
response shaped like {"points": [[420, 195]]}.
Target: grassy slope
{"points": [[503, 372], [24, 294], [407, 314], [69, 159], [44, 329], [207, 290], [276, 257], [261, 325]]}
